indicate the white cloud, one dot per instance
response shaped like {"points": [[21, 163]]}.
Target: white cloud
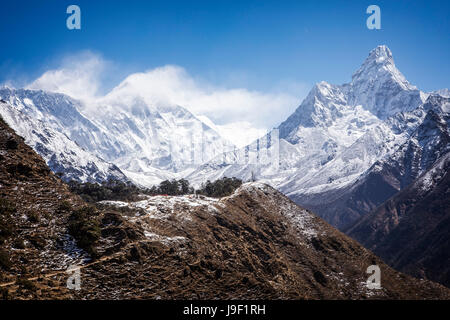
{"points": [[241, 133], [172, 85], [78, 76], [239, 114]]}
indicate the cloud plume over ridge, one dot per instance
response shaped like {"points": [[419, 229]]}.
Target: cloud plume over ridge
{"points": [[239, 114]]}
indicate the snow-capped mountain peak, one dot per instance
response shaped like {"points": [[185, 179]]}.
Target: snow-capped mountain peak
{"points": [[380, 65], [381, 88], [320, 107], [377, 87], [379, 55]]}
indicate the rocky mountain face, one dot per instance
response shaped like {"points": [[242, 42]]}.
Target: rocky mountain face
{"points": [[255, 243], [62, 155], [36, 212], [387, 176], [122, 132], [30, 221], [411, 231]]}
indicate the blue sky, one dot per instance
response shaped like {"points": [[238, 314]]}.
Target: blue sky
{"points": [[262, 46]]}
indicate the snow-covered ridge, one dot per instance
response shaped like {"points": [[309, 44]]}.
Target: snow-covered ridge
{"points": [[181, 208], [149, 143], [429, 178], [60, 153], [161, 207]]}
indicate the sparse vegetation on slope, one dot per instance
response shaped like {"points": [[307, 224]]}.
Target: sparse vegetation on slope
{"points": [[220, 188], [120, 191], [111, 190], [84, 226]]}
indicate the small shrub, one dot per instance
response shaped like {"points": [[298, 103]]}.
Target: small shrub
{"points": [[64, 206], [11, 144], [20, 169], [85, 228], [37, 241], [19, 244], [6, 227], [33, 217], [6, 207], [4, 293], [59, 174], [26, 284], [5, 262]]}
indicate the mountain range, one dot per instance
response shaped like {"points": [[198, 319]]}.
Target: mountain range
{"points": [[332, 148], [357, 154], [122, 139]]}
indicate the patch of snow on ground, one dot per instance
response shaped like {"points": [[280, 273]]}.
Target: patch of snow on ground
{"points": [[164, 239], [119, 204]]}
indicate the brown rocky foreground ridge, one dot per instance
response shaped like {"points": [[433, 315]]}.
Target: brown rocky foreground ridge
{"points": [[254, 244]]}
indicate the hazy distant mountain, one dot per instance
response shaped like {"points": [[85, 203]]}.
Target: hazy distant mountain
{"points": [[442, 92]]}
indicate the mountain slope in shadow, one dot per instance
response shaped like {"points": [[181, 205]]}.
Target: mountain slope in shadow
{"points": [[411, 231]]}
